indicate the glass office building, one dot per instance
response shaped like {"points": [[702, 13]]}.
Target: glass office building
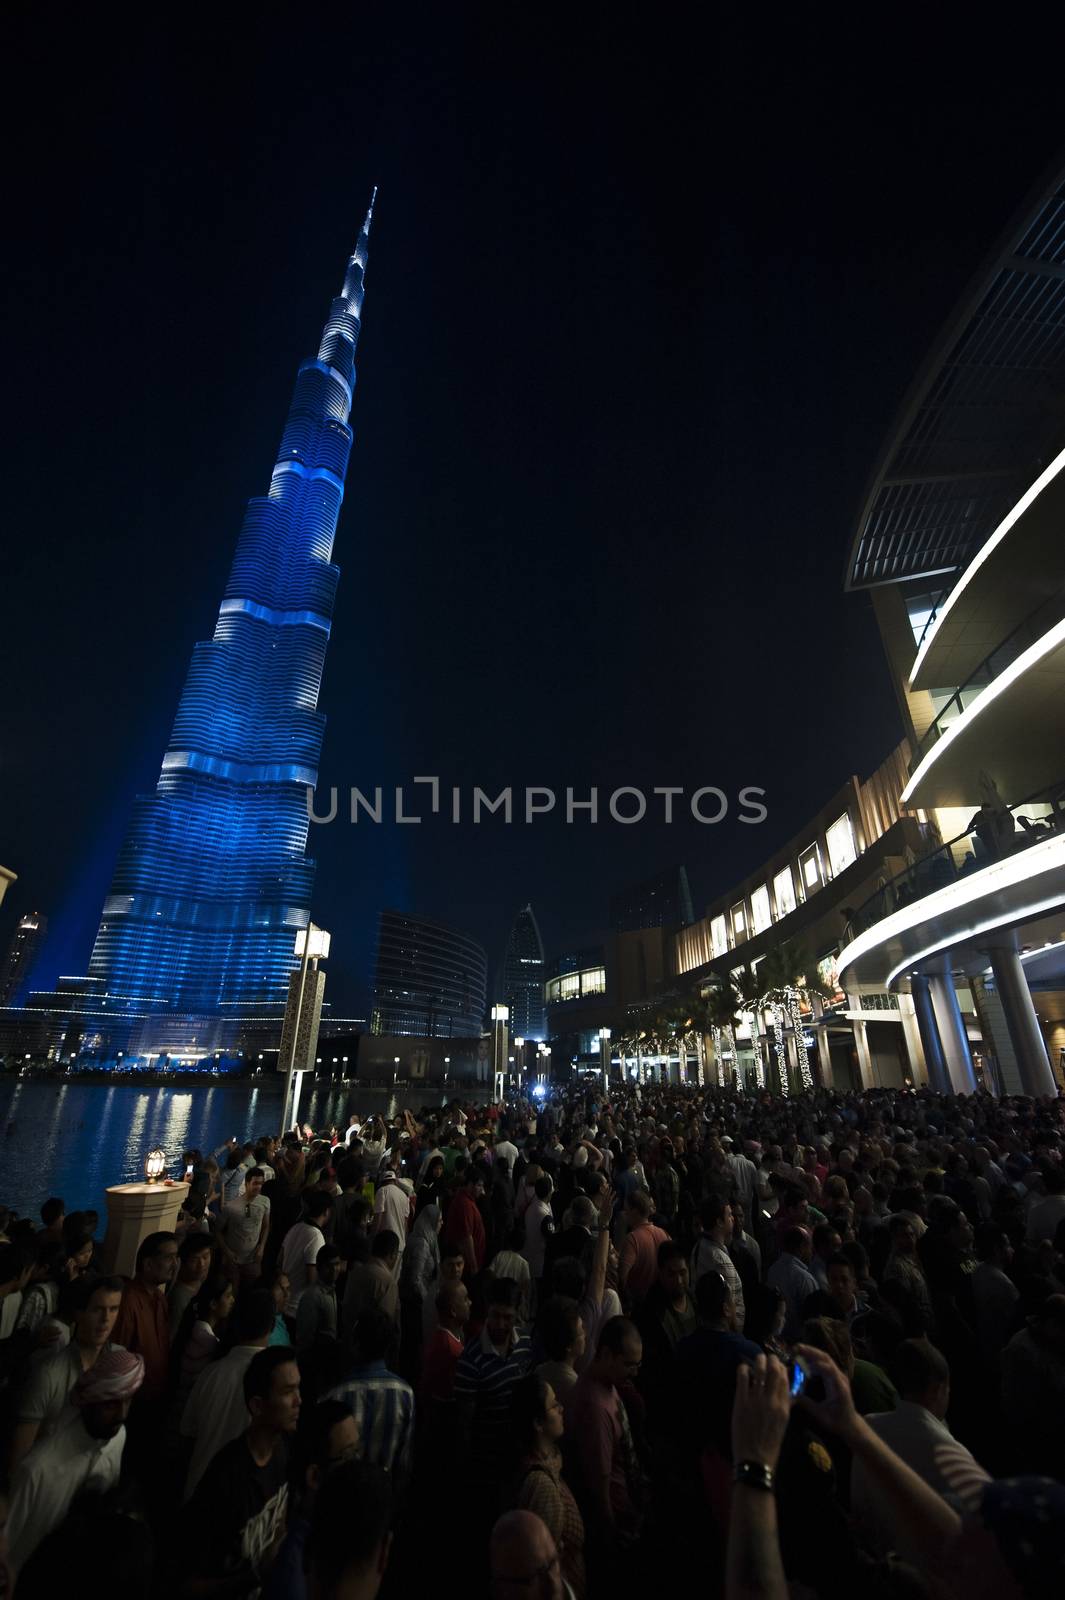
{"points": [[431, 980], [522, 982]]}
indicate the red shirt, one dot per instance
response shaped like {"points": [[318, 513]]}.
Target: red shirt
{"points": [[593, 1420], [638, 1260], [439, 1360], [143, 1327], [464, 1217]]}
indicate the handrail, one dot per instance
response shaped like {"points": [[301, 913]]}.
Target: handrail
{"points": [[941, 595], [993, 838], [1027, 631]]}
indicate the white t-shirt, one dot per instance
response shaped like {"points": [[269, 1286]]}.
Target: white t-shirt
{"points": [[595, 1318], [505, 1151], [373, 1152], [233, 1182], [299, 1250], [215, 1411], [508, 1264], [535, 1242], [392, 1208], [242, 1223], [57, 1469]]}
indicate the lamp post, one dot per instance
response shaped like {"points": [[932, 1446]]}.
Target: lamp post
{"points": [[519, 1046], [604, 1056], [500, 1018], [312, 945]]}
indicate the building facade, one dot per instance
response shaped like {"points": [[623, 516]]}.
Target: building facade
{"points": [[213, 880], [961, 543], [803, 896], [430, 979], [521, 984], [605, 987]]}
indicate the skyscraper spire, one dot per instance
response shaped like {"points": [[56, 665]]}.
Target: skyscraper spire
{"points": [[359, 256]]}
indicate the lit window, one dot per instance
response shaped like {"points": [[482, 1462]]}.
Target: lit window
{"points": [[760, 918], [810, 862], [784, 893], [840, 840], [739, 922], [718, 936]]}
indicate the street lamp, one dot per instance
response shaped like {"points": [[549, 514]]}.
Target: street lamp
{"points": [[312, 946], [604, 1056], [500, 1018]]}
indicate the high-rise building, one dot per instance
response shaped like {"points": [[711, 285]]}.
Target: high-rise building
{"points": [[21, 953], [522, 977], [661, 902], [431, 980], [213, 881]]}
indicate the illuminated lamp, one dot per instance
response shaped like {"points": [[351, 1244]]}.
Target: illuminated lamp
{"points": [[155, 1165]]}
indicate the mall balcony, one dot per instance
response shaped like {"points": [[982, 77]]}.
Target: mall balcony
{"points": [[986, 697], [982, 911], [960, 546], [989, 674]]}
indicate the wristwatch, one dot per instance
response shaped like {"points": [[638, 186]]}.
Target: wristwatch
{"points": [[753, 1475]]}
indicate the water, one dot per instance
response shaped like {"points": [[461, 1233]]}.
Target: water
{"points": [[76, 1139]]}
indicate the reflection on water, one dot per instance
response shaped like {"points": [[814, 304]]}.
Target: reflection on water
{"points": [[75, 1139]]}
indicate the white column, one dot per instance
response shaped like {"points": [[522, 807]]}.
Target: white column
{"points": [[1026, 1036], [824, 1056], [911, 1033], [952, 1035], [865, 1060]]}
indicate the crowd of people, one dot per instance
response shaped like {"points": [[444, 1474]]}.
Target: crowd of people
{"points": [[568, 1347]]}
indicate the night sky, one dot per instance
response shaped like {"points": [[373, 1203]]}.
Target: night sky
{"points": [[646, 286]]}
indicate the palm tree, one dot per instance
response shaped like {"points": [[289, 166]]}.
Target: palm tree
{"points": [[716, 1013], [633, 1038], [655, 1035], [750, 999], [784, 979], [676, 1026]]}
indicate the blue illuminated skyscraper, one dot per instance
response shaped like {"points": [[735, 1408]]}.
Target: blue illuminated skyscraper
{"points": [[213, 880]]}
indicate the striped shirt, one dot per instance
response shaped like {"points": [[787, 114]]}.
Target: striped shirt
{"points": [[484, 1383], [383, 1408]]}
